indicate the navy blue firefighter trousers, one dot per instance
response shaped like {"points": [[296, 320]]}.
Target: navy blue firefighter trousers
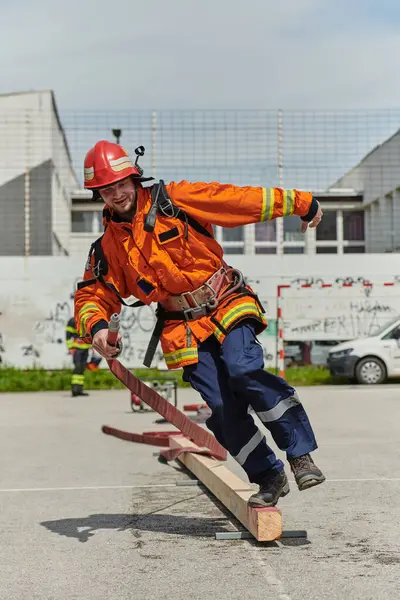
{"points": [[230, 377]]}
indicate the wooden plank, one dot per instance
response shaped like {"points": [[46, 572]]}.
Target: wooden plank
{"points": [[265, 524]]}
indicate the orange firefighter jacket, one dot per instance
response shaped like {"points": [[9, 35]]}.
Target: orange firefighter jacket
{"points": [[153, 266]]}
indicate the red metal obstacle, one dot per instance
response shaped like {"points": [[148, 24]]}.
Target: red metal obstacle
{"points": [[173, 415], [194, 407]]}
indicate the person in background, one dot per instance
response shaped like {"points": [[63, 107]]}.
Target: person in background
{"points": [[79, 350]]}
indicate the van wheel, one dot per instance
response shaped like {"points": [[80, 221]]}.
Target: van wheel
{"points": [[370, 371]]}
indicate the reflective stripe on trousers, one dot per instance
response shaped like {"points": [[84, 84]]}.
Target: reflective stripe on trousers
{"points": [[273, 414], [248, 448]]}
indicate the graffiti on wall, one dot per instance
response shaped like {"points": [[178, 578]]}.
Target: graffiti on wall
{"points": [[337, 314], [30, 350], [345, 317], [52, 329], [136, 327], [310, 314], [317, 282]]}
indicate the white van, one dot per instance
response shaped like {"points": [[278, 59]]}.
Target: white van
{"points": [[369, 360]]}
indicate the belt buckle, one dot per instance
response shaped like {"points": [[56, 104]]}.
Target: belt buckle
{"points": [[191, 314], [191, 302], [212, 301]]}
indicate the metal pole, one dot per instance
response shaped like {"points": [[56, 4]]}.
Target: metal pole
{"points": [[279, 222], [280, 355], [153, 143], [27, 213], [117, 134], [27, 194], [279, 336]]}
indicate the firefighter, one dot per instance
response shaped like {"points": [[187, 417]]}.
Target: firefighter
{"points": [[79, 349], [158, 246]]}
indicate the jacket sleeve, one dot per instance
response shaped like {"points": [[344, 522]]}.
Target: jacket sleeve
{"points": [[230, 206], [95, 303]]}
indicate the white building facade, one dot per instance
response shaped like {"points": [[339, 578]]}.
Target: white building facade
{"points": [[377, 180], [36, 177]]}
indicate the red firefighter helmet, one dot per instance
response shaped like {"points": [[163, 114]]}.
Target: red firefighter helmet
{"points": [[106, 163]]}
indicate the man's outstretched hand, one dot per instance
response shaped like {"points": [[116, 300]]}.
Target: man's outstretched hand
{"points": [[314, 222]]}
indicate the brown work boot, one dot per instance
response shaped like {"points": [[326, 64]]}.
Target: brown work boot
{"points": [[270, 491], [305, 472]]}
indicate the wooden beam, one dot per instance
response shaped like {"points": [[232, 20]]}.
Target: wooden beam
{"points": [[265, 524]]}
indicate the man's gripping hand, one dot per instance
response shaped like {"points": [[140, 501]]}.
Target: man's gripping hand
{"points": [[100, 344]]}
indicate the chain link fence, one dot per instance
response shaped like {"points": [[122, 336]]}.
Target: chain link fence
{"points": [[303, 149], [351, 153]]}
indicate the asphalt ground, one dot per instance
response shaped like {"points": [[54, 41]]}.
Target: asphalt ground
{"points": [[88, 516]]}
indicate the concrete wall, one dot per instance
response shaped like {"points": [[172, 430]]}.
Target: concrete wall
{"points": [[25, 133], [378, 177], [12, 217], [41, 210], [12, 213], [378, 173], [36, 301], [63, 183], [32, 136], [81, 242]]}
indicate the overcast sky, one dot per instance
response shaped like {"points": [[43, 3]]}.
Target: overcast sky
{"points": [[97, 54]]}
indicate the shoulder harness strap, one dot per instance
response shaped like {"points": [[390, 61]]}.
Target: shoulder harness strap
{"points": [[163, 205], [100, 268]]}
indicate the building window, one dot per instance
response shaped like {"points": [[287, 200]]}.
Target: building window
{"points": [[327, 229], [233, 250], [292, 229], [326, 249], [353, 249], [86, 221], [235, 234], [353, 225], [266, 232], [293, 250], [265, 249]]}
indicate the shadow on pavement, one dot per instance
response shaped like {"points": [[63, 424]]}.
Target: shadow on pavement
{"points": [[83, 528]]}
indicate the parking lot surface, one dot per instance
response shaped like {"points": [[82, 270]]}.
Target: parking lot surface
{"points": [[85, 515]]}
